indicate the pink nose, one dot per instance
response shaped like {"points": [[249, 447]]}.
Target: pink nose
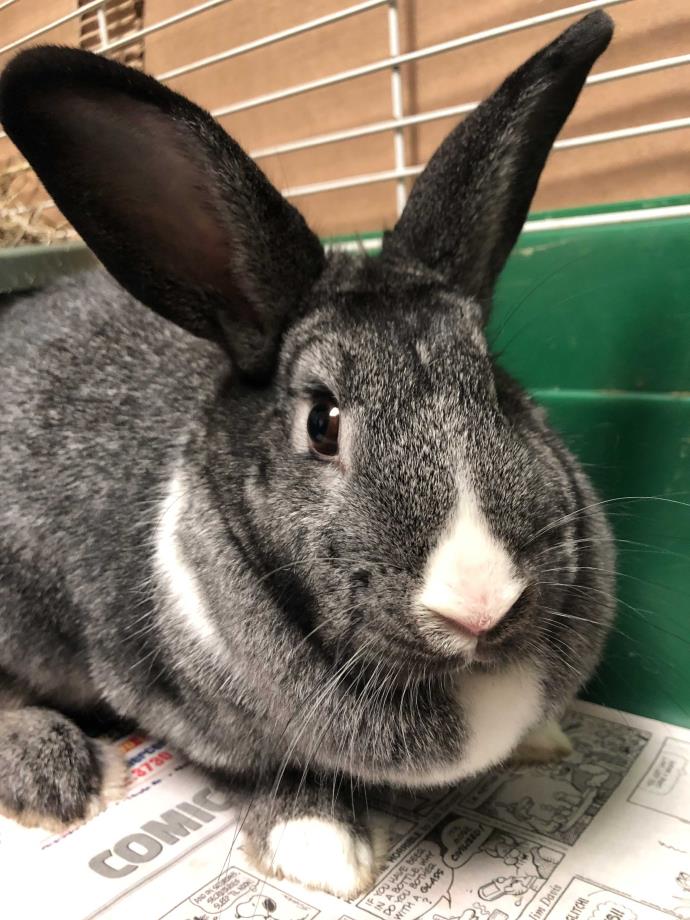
{"points": [[476, 627], [472, 609]]}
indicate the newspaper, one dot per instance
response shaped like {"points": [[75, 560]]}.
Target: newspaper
{"points": [[602, 835]]}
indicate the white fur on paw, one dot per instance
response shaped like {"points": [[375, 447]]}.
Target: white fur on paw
{"points": [[322, 854], [544, 744], [114, 778]]}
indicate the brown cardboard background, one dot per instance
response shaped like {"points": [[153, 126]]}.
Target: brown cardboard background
{"points": [[644, 167]]}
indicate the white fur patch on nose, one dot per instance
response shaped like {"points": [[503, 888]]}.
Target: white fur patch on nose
{"points": [[470, 577]]}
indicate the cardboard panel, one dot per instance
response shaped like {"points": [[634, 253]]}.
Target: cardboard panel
{"points": [[645, 167], [24, 17], [347, 44], [635, 168], [645, 30]]}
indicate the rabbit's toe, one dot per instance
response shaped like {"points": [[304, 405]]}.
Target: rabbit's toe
{"points": [[114, 778], [544, 744]]}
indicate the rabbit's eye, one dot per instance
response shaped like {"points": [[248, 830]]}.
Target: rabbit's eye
{"points": [[323, 424]]}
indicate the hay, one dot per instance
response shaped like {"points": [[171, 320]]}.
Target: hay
{"points": [[25, 215]]}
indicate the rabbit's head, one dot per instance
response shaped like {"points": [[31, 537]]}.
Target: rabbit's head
{"points": [[400, 488]]}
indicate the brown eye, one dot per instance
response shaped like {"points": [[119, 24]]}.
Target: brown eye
{"points": [[323, 424]]}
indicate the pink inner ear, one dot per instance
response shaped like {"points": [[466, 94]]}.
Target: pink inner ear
{"points": [[150, 177]]}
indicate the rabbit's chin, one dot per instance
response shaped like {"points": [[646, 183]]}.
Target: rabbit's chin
{"points": [[423, 660]]}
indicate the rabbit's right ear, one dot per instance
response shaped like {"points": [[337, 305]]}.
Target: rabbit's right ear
{"points": [[468, 206], [170, 204]]}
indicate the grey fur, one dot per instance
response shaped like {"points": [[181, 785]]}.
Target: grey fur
{"points": [[66, 773], [302, 566]]}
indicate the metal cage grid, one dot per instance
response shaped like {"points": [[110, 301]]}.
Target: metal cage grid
{"points": [[395, 125]]}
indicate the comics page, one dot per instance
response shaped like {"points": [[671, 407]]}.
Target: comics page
{"points": [[601, 835]]}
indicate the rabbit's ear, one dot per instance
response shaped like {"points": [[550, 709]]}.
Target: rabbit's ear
{"points": [[170, 204], [467, 208]]}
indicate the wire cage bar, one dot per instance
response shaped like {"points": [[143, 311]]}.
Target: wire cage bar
{"points": [[401, 170]]}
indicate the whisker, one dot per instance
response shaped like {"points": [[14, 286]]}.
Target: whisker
{"points": [[559, 522]]}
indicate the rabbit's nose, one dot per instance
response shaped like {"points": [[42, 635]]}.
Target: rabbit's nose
{"points": [[470, 609], [475, 625], [470, 580]]}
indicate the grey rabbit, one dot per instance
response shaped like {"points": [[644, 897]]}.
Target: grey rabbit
{"points": [[280, 506]]}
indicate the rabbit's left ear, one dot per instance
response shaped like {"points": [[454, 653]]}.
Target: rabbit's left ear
{"points": [[468, 206], [170, 204]]}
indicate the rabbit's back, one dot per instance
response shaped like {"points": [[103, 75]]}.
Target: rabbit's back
{"points": [[96, 388], [99, 396]]}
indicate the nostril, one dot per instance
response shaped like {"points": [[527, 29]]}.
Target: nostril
{"points": [[476, 627], [479, 618]]}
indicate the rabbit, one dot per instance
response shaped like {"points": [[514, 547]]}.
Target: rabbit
{"points": [[278, 505]]}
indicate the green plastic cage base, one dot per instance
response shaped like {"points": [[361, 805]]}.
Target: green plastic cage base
{"points": [[29, 267], [595, 322]]}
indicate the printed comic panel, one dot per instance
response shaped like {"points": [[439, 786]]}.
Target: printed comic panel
{"points": [[665, 787], [462, 868], [680, 899], [238, 895], [398, 832], [559, 800], [585, 900]]}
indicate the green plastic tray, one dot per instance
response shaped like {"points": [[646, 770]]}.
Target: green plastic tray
{"points": [[32, 266], [595, 321]]}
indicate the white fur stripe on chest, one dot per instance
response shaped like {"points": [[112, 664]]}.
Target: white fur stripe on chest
{"points": [[176, 577], [498, 708]]}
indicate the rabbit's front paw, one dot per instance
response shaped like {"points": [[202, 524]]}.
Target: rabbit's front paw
{"points": [[51, 774], [322, 853]]}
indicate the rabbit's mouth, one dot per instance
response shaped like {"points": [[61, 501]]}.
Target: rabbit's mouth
{"points": [[408, 654]]}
